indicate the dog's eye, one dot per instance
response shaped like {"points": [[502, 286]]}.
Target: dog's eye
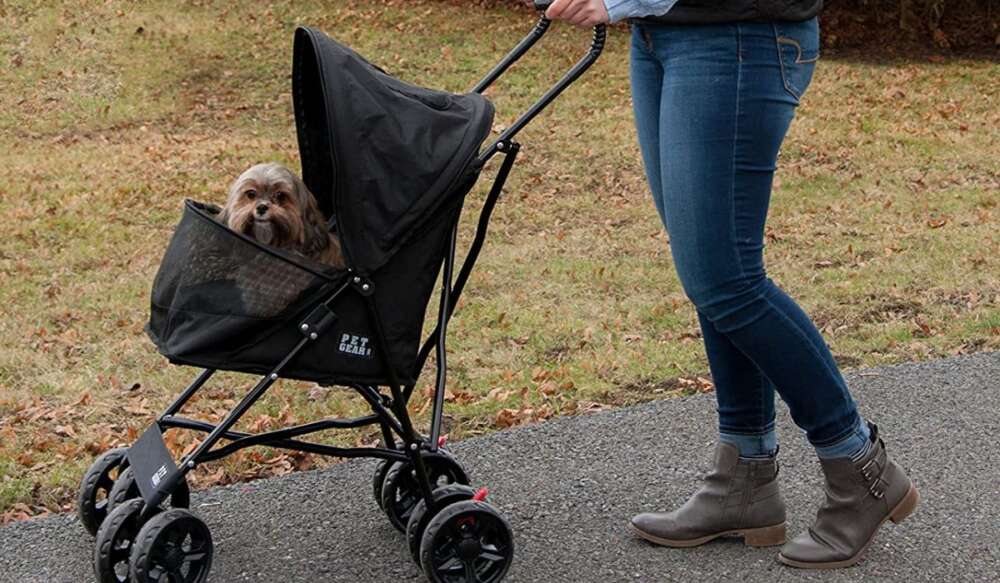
{"points": [[250, 194], [279, 197]]}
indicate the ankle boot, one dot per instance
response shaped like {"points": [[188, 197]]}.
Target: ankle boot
{"points": [[860, 496], [739, 497]]}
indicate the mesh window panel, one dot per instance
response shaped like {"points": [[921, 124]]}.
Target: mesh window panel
{"points": [[210, 270], [218, 296]]}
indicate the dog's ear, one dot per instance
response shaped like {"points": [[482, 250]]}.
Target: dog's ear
{"points": [[314, 231], [231, 194]]}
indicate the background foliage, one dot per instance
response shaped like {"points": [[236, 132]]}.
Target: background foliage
{"points": [[940, 24]]}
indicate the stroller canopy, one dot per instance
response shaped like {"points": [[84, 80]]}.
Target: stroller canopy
{"points": [[382, 155]]}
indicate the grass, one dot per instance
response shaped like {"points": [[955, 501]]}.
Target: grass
{"points": [[883, 222]]}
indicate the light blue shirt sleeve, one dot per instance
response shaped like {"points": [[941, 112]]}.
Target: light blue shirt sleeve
{"points": [[622, 9]]}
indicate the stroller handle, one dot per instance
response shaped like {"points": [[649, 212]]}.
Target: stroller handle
{"points": [[596, 47]]}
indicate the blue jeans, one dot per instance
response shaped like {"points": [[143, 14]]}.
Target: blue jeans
{"points": [[712, 106]]}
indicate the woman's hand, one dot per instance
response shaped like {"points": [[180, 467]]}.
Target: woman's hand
{"points": [[585, 13]]}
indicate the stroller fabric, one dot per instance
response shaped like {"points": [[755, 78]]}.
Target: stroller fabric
{"points": [[385, 155]]}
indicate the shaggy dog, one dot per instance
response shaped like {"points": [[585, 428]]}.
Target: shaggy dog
{"points": [[271, 204]]}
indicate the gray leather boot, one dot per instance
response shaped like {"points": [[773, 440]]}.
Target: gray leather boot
{"points": [[860, 497], [739, 497]]}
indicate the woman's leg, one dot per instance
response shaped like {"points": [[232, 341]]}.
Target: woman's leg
{"points": [[725, 108], [745, 396]]}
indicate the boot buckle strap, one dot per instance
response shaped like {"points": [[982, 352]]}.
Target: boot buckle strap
{"points": [[877, 488], [876, 483], [868, 473]]}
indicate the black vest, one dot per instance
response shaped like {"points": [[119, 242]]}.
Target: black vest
{"points": [[715, 11]]}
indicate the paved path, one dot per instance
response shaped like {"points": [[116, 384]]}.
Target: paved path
{"points": [[569, 485]]}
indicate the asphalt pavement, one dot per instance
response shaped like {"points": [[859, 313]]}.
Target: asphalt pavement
{"points": [[569, 486]]}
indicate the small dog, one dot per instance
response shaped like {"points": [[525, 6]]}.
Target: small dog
{"points": [[271, 204]]}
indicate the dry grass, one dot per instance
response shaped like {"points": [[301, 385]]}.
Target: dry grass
{"points": [[883, 226]]}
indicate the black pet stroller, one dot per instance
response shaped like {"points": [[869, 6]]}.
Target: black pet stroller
{"points": [[393, 163]]}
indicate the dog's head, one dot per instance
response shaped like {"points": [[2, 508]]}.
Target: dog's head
{"points": [[271, 204]]}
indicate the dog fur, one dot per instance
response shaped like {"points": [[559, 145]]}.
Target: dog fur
{"points": [[271, 204]]}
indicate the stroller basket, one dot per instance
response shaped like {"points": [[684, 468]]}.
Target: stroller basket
{"points": [[222, 300]]}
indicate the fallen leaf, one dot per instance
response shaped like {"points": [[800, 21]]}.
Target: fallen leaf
{"points": [[64, 431]]}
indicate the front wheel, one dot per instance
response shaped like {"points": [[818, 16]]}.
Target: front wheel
{"points": [[92, 501], [114, 542], [174, 546]]}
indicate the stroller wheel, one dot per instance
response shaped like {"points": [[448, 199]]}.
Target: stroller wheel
{"points": [[467, 542], [401, 491], [95, 488], [173, 546], [443, 496], [379, 478], [126, 489], [114, 542]]}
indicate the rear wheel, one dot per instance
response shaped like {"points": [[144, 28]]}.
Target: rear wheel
{"points": [[95, 488], [401, 489], [421, 515], [467, 542]]}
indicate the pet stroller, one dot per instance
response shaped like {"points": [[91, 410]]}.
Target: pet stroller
{"points": [[393, 163]]}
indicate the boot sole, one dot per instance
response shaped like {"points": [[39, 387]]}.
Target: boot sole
{"points": [[767, 536], [898, 514]]}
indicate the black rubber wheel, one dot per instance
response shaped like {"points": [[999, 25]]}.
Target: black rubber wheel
{"points": [[401, 491], [95, 488], [114, 542], [126, 489], [443, 496], [175, 546], [379, 478], [467, 542]]}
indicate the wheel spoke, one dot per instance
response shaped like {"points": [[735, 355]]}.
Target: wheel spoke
{"points": [[159, 574], [175, 538], [104, 483], [491, 557], [470, 571], [453, 565], [191, 557]]}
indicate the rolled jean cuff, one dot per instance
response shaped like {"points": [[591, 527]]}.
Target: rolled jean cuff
{"points": [[849, 445], [753, 445]]}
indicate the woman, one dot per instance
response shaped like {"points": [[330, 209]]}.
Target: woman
{"points": [[715, 85]]}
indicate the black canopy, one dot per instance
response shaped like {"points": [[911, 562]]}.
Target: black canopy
{"points": [[382, 155]]}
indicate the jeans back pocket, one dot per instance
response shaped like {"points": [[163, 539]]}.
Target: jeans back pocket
{"points": [[798, 50]]}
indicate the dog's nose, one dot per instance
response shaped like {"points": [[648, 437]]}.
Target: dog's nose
{"points": [[262, 209]]}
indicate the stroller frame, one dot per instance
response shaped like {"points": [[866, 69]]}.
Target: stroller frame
{"points": [[388, 411]]}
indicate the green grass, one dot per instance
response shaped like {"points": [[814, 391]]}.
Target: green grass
{"points": [[883, 222]]}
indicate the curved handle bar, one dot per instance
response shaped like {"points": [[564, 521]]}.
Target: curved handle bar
{"points": [[596, 47]]}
